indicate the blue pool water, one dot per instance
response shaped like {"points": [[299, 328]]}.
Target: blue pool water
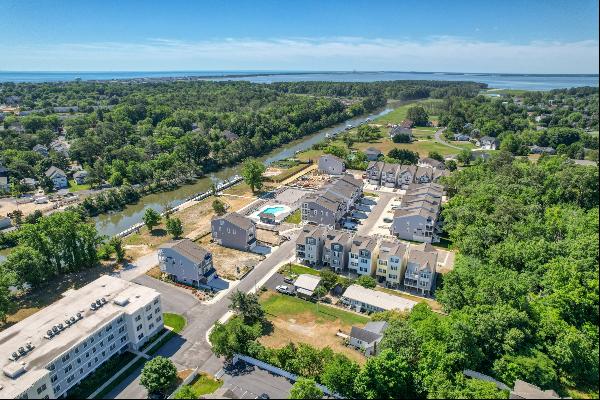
{"points": [[274, 210]]}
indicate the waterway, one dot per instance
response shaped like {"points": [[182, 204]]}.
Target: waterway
{"points": [[111, 224]]}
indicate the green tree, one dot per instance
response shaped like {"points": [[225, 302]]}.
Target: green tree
{"points": [[418, 115], [6, 298], [305, 388], [117, 246], [328, 278], [233, 337], [247, 306], [436, 156], [174, 227], [218, 207], [151, 219], [366, 281], [451, 165], [252, 172], [339, 375], [185, 392], [386, 376], [158, 375], [403, 156], [401, 138], [464, 157]]}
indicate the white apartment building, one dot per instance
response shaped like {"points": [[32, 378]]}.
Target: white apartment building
{"points": [[51, 351]]}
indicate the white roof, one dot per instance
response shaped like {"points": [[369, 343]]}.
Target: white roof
{"points": [[33, 328], [378, 299], [307, 281]]}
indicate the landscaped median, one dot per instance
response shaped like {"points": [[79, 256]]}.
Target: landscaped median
{"points": [[202, 384]]}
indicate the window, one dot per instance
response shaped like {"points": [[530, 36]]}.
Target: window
{"points": [[54, 378], [140, 336], [137, 318], [80, 371], [138, 328], [65, 357], [151, 326], [102, 343], [78, 360], [92, 339], [108, 328], [76, 350], [96, 360], [120, 320], [149, 317], [68, 368], [89, 364], [156, 310], [41, 388], [157, 319], [51, 367], [84, 345], [70, 378], [103, 353], [111, 337], [93, 349], [124, 338], [155, 301], [57, 388], [87, 354], [112, 347], [148, 307]]}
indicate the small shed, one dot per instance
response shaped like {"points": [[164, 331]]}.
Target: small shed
{"points": [[267, 218], [306, 284]]}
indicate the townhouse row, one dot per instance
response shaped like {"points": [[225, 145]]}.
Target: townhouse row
{"points": [[330, 204], [392, 263], [401, 176], [417, 216]]}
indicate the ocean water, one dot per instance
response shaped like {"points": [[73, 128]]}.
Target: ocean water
{"points": [[500, 81]]}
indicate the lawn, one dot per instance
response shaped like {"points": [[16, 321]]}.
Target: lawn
{"points": [[203, 384], [432, 107], [283, 306], [74, 187], [294, 218], [298, 321], [423, 147], [174, 321], [297, 269]]}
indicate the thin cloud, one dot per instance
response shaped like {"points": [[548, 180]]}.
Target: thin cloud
{"points": [[451, 54]]}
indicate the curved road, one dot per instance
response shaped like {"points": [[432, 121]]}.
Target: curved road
{"points": [[190, 349], [438, 138]]}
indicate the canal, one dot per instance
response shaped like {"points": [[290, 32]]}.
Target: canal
{"points": [[113, 223]]}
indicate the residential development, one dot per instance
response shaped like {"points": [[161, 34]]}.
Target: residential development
{"points": [[235, 231], [184, 261]]}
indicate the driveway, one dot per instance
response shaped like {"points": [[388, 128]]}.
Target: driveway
{"points": [[190, 348], [382, 201], [438, 138]]}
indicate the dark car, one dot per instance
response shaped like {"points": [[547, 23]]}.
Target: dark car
{"points": [[288, 280], [263, 396]]}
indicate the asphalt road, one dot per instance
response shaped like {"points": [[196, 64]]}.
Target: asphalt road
{"points": [[372, 218], [438, 137], [190, 349], [248, 382]]}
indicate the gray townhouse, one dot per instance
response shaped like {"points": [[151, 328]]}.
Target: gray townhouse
{"points": [[309, 245], [331, 165], [336, 248], [400, 130], [58, 177], [323, 208], [373, 154], [348, 188], [374, 171], [423, 175], [391, 263], [421, 267], [431, 163], [406, 175], [186, 262], [362, 255], [234, 230], [389, 175], [415, 224]]}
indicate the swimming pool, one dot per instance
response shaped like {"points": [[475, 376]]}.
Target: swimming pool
{"points": [[274, 210]]}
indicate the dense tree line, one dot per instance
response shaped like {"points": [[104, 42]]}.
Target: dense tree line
{"points": [[564, 120]]}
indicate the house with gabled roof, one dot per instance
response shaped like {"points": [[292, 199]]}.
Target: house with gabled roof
{"points": [[186, 262], [421, 269], [374, 172], [362, 255], [234, 230], [58, 177], [373, 154], [331, 165], [367, 339]]}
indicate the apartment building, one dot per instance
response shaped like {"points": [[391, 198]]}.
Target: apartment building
{"points": [[51, 351], [391, 263], [309, 245], [421, 269], [336, 249], [362, 258]]}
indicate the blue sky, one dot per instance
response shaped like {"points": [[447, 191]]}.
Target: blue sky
{"points": [[462, 36]]}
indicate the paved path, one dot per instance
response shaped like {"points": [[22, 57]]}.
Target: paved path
{"points": [[367, 226], [190, 348], [438, 138]]}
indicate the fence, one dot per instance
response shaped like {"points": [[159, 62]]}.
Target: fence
{"points": [[195, 197], [278, 371], [186, 381]]}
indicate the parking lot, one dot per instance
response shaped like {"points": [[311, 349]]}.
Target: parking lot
{"points": [[248, 382]]}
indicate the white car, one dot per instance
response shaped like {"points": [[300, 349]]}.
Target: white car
{"points": [[284, 289]]}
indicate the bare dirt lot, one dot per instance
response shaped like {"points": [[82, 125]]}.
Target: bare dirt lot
{"points": [[299, 322], [230, 263]]}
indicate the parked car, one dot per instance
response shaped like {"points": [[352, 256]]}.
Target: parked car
{"points": [[349, 225], [263, 396], [388, 220], [288, 280], [284, 289]]}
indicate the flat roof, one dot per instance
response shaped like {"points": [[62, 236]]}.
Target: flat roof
{"points": [[307, 282], [378, 299], [33, 328]]}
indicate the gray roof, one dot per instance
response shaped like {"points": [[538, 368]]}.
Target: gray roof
{"points": [[488, 139], [526, 390], [373, 150], [363, 243], [393, 168], [52, 171], [237, 220], [424, 256], [388, 248], [364, 335], [188, 249], [227, 134], [376, 326], [376, 165], [423, 212], [433, 162], [80, 173], [331, 157]]}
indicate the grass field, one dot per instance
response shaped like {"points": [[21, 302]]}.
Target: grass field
{"points": [[204, 384], [74, 187], [175, 321], [399, 114], [298, 269], [299, 321], [294, 218]]}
